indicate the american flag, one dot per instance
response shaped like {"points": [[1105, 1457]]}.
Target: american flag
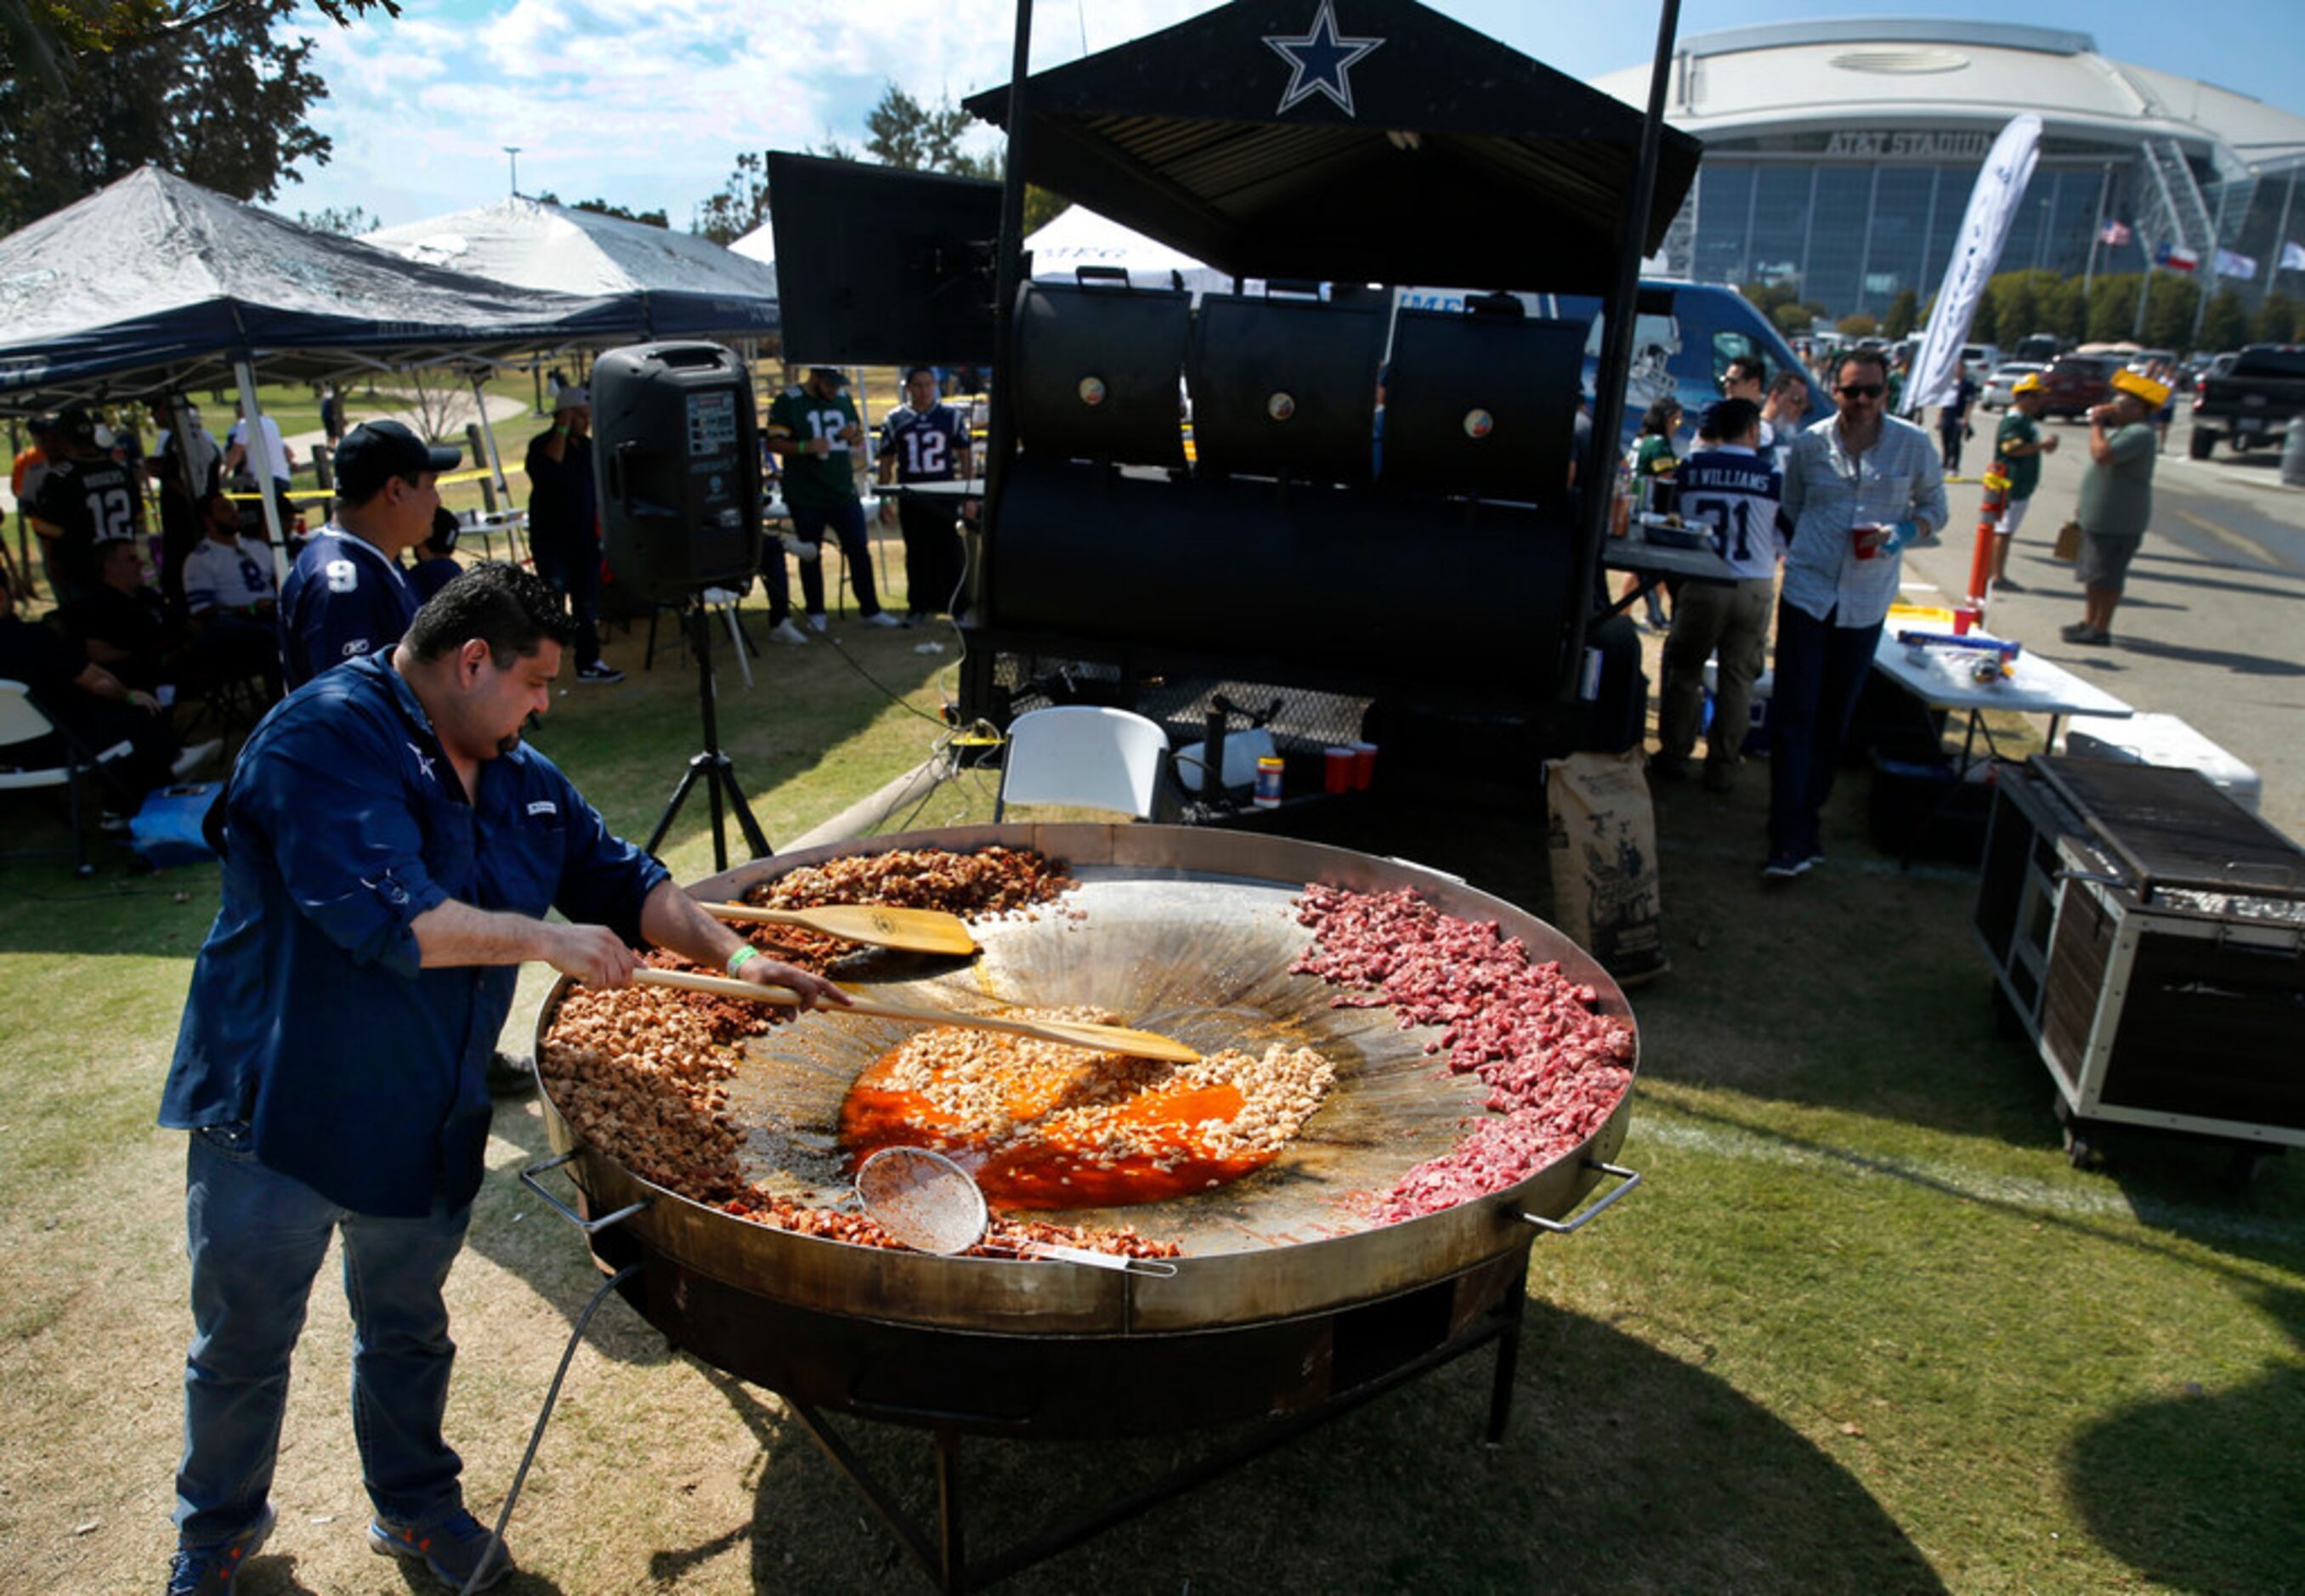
{"points": [[2114, 233]]}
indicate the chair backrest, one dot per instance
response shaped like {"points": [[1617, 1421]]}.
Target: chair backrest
{"points": [[1079, 754], [23, 721]]}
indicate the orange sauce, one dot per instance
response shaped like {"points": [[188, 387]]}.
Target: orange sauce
{"points": [[1042, 1166]]}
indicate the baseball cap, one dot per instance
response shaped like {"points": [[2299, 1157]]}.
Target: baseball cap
{"points": [[834, 372], [374, 452], [2155, 394], [77, 426], [2030, 383], [571, 398]]}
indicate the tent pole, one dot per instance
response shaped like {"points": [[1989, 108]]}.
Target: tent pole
{"points": [[1621, 309], [1008, 277], [495, 458], [260, 449]]}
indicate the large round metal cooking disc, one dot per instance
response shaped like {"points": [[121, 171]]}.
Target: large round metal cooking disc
{"points": [[1202, 957]]}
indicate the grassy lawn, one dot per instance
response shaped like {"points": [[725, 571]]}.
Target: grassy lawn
{"points": [[1862, 1329]]}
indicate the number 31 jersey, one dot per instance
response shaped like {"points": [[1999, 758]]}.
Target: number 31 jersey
{"points": [[1735, 492]]}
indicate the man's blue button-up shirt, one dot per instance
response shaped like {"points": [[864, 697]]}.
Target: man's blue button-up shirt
{"points": [[359, 1071]]}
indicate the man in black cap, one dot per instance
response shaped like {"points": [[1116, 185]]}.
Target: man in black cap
{"points": [[347, 596], [815, 429], [87, 497]]}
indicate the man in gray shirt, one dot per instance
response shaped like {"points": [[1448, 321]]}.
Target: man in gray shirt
{"points": [[2117, 500]]}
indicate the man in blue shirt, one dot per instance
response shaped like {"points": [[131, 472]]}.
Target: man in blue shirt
{"points": [[346, 596], [1860, 485], [390, 850], [927, 441]]}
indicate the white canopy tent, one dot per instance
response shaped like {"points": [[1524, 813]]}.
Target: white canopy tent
{"points": [[1080, 237]]}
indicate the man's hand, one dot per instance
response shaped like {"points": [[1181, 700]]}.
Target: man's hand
{"points": [[819, 446], [2049, 444], [814, 990], [592, 954]]}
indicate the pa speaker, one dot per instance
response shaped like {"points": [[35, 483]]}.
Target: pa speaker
{"points": [[677, 452]]}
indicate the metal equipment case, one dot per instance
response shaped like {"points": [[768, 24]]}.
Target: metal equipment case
{"points": [[2149, 934]]}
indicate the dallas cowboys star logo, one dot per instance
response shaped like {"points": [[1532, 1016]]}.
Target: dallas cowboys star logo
{"points": [[424, 761], [1319, 60]]}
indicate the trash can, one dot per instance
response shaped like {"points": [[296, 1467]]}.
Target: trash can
{"points": [[2292, 455]]}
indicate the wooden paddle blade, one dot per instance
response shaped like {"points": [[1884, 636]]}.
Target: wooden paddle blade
{"points": [[915, 930], [1101, 1038], [1110, 1039]]}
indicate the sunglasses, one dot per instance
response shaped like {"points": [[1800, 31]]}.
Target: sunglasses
{"points": [[1861, 390]]}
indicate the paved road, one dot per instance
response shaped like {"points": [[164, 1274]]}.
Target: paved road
{"points": [[2212, 627]]}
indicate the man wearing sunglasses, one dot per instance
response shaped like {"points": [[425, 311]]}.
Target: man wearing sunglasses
{"points": [[1859, 487]]}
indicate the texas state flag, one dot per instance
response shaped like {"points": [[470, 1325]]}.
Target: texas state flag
{"points": [[2176, 259]]}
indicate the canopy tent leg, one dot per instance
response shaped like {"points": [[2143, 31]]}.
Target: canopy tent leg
{"points": [[495, 466], [269, 469]]}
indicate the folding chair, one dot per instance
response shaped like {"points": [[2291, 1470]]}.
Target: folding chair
{"points": [[1080, 754], [23, 721]]}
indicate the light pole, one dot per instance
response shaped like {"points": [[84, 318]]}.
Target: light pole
{"points": [[512, 155]]}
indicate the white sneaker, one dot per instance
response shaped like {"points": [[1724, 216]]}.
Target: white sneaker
{"points": [[816, 622], [785, 631], [806, 553], [194, 757], [882, 618]]}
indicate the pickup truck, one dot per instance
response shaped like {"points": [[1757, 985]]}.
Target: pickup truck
{"points": [[2252, 401]]}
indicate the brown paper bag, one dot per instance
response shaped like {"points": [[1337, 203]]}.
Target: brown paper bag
{"points": [[2068, 546], [1602, 836]]}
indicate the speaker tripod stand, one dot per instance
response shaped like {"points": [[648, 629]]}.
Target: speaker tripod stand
{"points": [[711, 767]]}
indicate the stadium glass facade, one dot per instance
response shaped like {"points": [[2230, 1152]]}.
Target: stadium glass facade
{"points": [[1851, 218]]}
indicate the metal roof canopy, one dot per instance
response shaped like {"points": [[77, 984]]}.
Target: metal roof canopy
{"points": [[1391, 145]]}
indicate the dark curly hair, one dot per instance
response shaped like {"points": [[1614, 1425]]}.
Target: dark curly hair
{"points": [[512, 610]]}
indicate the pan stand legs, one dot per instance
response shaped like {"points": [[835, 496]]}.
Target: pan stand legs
{"points": [[1500, 1388]]}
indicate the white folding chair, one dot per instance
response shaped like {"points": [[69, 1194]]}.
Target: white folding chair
{"points": [[1077, 754], [23, 721]]}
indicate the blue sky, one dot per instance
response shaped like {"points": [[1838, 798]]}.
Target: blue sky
{"points": [[647, 102]]}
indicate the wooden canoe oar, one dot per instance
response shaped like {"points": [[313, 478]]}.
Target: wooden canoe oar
{"points": [[916, 931], [1101, 1038]]}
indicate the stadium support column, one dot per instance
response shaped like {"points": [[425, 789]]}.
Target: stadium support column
{"points": [[2280, 238]]}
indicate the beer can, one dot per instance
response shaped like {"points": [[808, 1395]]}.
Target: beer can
{"points": [[1268, 782]]}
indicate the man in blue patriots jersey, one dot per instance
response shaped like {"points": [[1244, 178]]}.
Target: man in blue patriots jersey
{"points": [[1731, 487], [927, 441], [347, 597]]}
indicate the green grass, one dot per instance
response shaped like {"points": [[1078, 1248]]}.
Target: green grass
{"points": [[1862, 1328]]}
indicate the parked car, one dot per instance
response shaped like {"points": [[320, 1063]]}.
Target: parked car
{"points": [[2252, 401], [1998, 388], [2043, 347], [1980, 359], [2078, 383]]}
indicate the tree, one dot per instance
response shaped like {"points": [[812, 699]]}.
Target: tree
{"points": [[343, 224], [2112, 307], [1860, 326], [601, 207], [742, 204], [2224, 325], [902, 132], [1794, 320], [89, 92], [2276, 321], [2169, 306], [1903, 314]]}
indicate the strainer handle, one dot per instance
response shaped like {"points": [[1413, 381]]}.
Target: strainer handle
{"points": [[1566, 1227], [589, 1227]]}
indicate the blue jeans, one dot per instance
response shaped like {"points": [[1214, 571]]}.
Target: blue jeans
{"points": [[1821, 670], [846, 523], [256, 1239]]}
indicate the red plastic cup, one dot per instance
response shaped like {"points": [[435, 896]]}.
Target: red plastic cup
{"points": [[1867, 539], [1337, 771], [1363, 766], [1964, 616]]}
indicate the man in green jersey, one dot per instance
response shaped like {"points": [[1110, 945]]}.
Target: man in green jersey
{"points": [[815, 430], [2018, 444]]}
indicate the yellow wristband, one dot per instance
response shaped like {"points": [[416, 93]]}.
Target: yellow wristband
{"points": [[742, 956]]}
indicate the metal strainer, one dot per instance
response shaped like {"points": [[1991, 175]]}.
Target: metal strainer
{"points": [[932, 1205]]}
